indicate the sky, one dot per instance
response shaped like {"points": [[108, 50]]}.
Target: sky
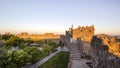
{"points": [[41, 16]]}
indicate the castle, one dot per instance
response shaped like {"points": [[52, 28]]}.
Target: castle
{"points": [[85, 33], [102, 50]]}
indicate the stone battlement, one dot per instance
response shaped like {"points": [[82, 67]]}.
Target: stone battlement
{"points": [[83, 32]]}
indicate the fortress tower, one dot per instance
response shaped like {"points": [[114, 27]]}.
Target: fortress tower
{"points": [[83, 32]]}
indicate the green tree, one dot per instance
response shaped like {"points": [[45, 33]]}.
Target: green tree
{"points": [[46, 49], [34, 52], [13, 41], [6, 36], [22, 45], [19, 58], [3, 57], [52, 44]]}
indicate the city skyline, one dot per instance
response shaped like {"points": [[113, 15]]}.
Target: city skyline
{"points": [[37, 16]]}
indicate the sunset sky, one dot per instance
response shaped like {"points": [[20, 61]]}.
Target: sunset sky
{"points": [[40, 16]]}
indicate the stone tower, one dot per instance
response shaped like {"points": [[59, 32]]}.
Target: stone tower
{"points": [[83, 32]]}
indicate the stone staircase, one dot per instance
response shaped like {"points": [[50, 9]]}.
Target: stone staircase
{"points": [[74, 52], [75, 57], [75, 60]]}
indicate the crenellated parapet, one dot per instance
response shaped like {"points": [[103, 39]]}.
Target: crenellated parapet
{"points": [[83, 32]]}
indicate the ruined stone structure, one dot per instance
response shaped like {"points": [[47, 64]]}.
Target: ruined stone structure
{"points": [[38, 36], [85, 49], [102, 51], [100, 56], [85, 33], [114, 46], [75, 60]]}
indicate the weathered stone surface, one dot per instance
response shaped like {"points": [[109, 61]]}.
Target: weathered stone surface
{"points": [[101, 58], [103, 50], [38, 36], [85, 49], [85, 33], [114, 46]]}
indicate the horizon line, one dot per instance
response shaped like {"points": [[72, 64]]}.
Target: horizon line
{"points": [[59, 33]]}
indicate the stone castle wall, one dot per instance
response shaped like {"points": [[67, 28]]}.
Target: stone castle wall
{"points": [[102, 50], [100, 55], [114, 46], [85, 33], [38, 36]]}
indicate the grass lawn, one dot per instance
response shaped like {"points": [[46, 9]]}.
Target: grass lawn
{"points": [[58, 61]]}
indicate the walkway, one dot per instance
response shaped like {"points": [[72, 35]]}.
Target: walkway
{"points": [[47, 58]]}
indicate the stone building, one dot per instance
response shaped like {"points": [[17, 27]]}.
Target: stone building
{"points": [[83, 32]]}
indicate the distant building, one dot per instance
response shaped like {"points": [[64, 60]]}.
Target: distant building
{"points": [[82, 32], [38, 36]]}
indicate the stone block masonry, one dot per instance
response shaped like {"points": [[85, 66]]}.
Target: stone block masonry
{"points": [[83, 32]]}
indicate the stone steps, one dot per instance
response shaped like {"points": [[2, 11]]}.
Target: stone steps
{"points": [[75, 57], [74, 52]]}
